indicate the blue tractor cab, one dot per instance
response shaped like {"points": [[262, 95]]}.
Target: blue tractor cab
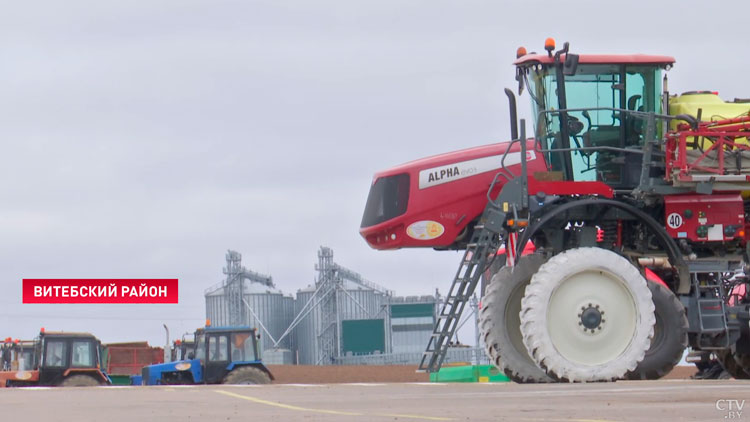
{"points": [[221, 355]]}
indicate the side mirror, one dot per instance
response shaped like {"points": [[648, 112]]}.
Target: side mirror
{"points": [[519, 78], [570, 65]]}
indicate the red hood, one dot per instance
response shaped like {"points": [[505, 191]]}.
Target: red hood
{"points": [[446, 192]]}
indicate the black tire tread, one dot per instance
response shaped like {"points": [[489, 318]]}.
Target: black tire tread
{"points": [[670, 313], [738, 366], [245, 374], [514, 363], [80, 380]]}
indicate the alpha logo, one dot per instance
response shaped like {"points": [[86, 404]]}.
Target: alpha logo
{"points": [[457, 171], [444, 173]]}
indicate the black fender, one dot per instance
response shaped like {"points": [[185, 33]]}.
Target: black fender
{"points": [[673, 251]]}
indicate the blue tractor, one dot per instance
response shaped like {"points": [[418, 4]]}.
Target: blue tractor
{"points": [[220, 355]]}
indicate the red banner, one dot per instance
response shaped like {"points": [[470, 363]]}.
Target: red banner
{"points": [[100, 290]]}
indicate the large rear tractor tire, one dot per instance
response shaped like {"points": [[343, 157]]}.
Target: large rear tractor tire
{"points": [[246, 375], [670, 336], [500, 323], [496, 263], [80, 381], [587, 315], [737, 365]]}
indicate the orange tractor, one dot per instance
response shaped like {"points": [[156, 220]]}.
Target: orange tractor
{"points": [[55, 359], [636, 203]]}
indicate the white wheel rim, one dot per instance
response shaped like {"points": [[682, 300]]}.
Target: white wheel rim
{"points": [[619, 317]]}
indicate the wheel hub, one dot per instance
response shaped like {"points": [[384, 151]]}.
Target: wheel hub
{"points": [[591, 318]]}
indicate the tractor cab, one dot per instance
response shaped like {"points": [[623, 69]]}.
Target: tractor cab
{"points": [[25, 353], [218, 355], [589, 111], [17, 355], [56, 359], [183, 350], [223, 348], [63, 354]]}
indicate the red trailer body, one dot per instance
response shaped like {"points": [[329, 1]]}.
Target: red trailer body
{"points": [[130, 358]]}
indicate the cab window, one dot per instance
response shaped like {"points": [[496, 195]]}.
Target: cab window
{"points": [[604, 90], [242, 347], [55, 354], [84, 354], [218, 348], [200, 348]]}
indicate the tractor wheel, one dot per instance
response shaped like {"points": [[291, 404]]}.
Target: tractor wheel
{"points": [[80, 381], [496, 263], [738, 366], [670, 336], [246, 375], [587, 315], [500, 323]]}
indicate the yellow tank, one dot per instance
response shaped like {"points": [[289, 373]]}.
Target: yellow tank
{"points": [[713, 107]]}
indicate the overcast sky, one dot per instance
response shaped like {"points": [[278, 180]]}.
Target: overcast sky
{"points": [[145, 138]]}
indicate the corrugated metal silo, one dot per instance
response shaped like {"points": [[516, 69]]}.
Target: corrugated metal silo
{"points": [[354, 303], [270, 309], [305, 334]]}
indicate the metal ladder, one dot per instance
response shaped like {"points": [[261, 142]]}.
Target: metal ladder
{"points": [[483, 242], [709, 307], [712, 318]]}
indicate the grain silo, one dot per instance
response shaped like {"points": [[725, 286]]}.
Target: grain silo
{"points": [[365, 306], [249, 298], [341, 314]]}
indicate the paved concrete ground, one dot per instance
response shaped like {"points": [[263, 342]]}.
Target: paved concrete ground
{"points": [[599, 402]]}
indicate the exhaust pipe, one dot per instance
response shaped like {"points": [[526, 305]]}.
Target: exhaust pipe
{"points": [[167, 354], [513, 114]]}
